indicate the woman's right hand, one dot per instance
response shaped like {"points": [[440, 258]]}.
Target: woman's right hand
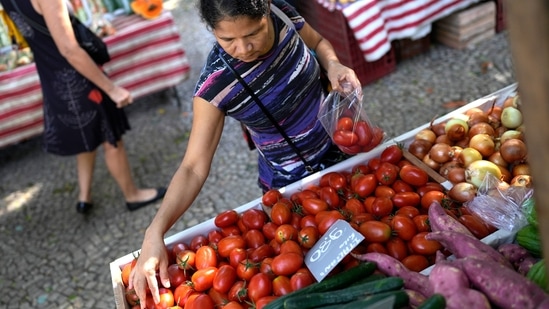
{"points": [[153, 257], [121, 96]]}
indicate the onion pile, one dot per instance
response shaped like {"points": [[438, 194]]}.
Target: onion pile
{"points": [[466, 147]]}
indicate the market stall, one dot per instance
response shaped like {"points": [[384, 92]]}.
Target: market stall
{"points": [[147, 56]]}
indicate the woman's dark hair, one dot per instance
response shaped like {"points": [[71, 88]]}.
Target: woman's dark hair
{"points": [[213, 11]]}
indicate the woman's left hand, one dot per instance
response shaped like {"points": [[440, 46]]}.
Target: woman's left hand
{"points": [[343, 78], [121, 96]]}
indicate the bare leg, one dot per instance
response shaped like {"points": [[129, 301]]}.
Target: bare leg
{"points": [[85, 163], [119, 167]]}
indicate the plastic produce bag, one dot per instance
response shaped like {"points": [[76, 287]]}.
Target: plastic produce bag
{"points": [[345, 120], [500, 204]]}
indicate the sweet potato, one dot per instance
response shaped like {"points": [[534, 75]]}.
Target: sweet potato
{"points": [[518, 256], [453, 284], [439, 220], [393, 267], [462, 245], [503, 286], [415, 298]]}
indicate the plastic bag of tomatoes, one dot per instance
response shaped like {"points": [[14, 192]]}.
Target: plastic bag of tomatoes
{"points": [[344, 118]]}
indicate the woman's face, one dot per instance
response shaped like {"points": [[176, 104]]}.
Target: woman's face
{"points": [[244, 38]]}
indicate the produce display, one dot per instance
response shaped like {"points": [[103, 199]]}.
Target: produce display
{"points": [[422, 246]]}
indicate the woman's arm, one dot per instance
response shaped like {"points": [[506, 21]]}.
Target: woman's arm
{"points": [[185, 185], [55, 14], [326, 55]]}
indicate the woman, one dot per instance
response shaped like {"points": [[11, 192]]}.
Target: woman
{"points": [[82, 106], [278, 64]]}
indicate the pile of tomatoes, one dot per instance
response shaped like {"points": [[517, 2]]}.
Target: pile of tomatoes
{"points": [[251, 258], [353, 137]]}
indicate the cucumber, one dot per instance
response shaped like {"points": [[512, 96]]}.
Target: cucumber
{"points": [[538, 275], [529, 210], [435, 301], [401, 300], [528, 237], [337, 281], [315, 300]]}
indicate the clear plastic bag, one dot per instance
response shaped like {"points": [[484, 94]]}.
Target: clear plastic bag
{"points": [[345, 120], [500, 204]]}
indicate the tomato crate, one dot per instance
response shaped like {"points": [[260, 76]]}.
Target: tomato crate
{"points": [[333, 26], [408, 48]]}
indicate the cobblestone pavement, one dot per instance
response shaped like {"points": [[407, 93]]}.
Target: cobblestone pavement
{"points": [[53, 257]]}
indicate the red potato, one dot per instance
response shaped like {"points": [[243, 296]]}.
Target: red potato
{"points": [[393, 267], [503, 286], [452, 283], [440, 220], [462, 245]]}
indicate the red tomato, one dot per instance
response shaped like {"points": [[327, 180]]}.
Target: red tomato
{"points": [[285, 232], [365, 185], [391, 154], [327, 221], [330, 196], [262, 252], [254, 238], [200, 301], [401, 186], [413, 175], [126, 271], [214, 236], [263, 301], [254, 218], [404, 227], [364, 133], [415, 262], [312, 206], [260, 285], [354, 206], [375, 231], [360, 169], [237, 255], [363, 217], [286, 264], [265, 267], [345, 138], [290, 246], [226, 218], [269, 230], [307, 220], [385, 191], [402, 199], [202, 279], [177, 275], [231, 230], [229, 243], [238, 292], [205, 257], [308, 236], [429, 197], [232, 305], [198, 241], [382, 206], [387, 173], [408, 211], [182, 293], [270, 197], [300, 280], [429, 186], [247, 269], [224, 278], [178, 247], [376, 247], [281, 213], [298, 196], [166, 298], [422, 223], [423, 246], [397, 248], [186, 259], [282, 285], [336, 180], [374, 164], [475, 225], [345, 123]]}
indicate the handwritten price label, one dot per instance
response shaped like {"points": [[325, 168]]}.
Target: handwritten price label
{"points": [[334, 245]]}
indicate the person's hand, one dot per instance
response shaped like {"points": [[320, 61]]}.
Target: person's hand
{"points": [[342, 78], [153, 257], [121, 96]]}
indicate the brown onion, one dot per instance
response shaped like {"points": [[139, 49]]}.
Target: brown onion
{"points": [[495, 113], [522, 180], [474, 111], [419, 148], [521, 169], [457, 151], [456, 175], [456, 129], [477, 118], [481, 128], [484, 143], [513, 151], [505, 174], [498, 159], [510, 134], [447, 167], [443, 139], [441, 153], [431, 163], [426, 134], [469, 155], [463, 143], [439, 128], [462, 192]]}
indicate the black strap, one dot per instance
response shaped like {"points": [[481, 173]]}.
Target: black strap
{"points": [[308, 166]]}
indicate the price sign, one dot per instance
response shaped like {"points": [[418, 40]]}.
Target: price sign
{"points": [[329, 250]]}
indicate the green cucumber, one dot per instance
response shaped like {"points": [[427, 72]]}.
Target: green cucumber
{"points": [[401, 300], [435, 301], [337, 281], [528, 237], [315, 300], [529, 209], [538, 275]]}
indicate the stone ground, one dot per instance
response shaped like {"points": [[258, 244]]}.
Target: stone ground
{"points": [[53, 257]]}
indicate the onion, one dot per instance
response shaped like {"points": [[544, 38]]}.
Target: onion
{"points": [[431, 163], [439, 128], [463, 143], [474, 111], [511, 117], [456, 175], [477, 118], [521, 169], [484, 143], [510, 134], [441, 153], [513, 151], [456, 129], [457, 151], [482, 128], [462, 192], [497, 159], [426, 134], [495, 113], [476, 171], [419, 148], [505, 174], [447, 167], [443, 139], [469, 155], [522, 180]]}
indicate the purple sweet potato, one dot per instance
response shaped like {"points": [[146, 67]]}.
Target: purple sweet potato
{"points": [[518, 256], [415, 297], [439, 220], [393, 267], [503, 286], [462, 245], [452, 283]]}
